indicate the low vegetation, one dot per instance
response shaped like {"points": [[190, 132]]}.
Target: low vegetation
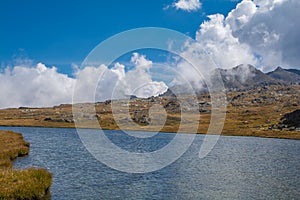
{"points": [[20, 184]]}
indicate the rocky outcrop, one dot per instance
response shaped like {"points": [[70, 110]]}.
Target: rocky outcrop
{"points": [[292, 119]]}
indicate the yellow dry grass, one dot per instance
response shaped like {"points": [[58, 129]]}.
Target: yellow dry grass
{"points": [[20, 184]]}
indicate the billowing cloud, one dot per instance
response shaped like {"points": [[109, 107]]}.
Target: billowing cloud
{"points": [[39, 86], [273, 33], [263, 33], [102, 83], [34, 86], [215, 36], [187, 5], [139, 82], [241, 15]]}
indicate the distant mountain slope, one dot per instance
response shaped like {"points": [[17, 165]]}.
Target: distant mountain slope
{"points": [[285, 75], [295, 71], [245, 76]]}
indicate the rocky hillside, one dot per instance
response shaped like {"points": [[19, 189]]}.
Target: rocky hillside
{"points": [[258, 104], [242, 77], [285, 75], [247, 76], [295, 71], [267, 111]]}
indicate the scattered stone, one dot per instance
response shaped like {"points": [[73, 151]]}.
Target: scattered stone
{"points": [[107, 102], [292, 128], [48, 119], [204, 103], [201, 110]]}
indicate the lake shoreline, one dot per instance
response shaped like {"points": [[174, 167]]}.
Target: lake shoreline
{"points": [[253, 112], [234, 162], [271, 136]]}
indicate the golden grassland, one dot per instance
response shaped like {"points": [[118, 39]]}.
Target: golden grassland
{"points": [[20, 184], [248, 113]]}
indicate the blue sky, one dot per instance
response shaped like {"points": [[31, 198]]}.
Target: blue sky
{"points": [[36, 35], [61, 33]]}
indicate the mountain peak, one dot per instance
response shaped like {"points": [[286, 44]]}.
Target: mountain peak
{"points": [[243, 66], [245, 76], [279, 69]]}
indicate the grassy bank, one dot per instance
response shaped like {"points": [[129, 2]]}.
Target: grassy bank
{"points": [[20, 184]]}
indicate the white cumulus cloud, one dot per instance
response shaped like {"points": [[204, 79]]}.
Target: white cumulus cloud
{"points": [[40, 86], [273, 33], [241, 15], [264, 33], [34, 86], [138, 81], [215, 36], [188, 5], [102, 83]]}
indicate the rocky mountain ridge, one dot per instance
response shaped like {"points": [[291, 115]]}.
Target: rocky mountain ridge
{"points": [[244, 77], [287, 76], [247, 76]]}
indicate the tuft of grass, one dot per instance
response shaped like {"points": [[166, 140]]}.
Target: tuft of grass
{"points": [[25, 184], [12, 145], [20, 184]]}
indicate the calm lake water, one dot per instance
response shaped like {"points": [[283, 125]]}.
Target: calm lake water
{"points": [[237, 168]]}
